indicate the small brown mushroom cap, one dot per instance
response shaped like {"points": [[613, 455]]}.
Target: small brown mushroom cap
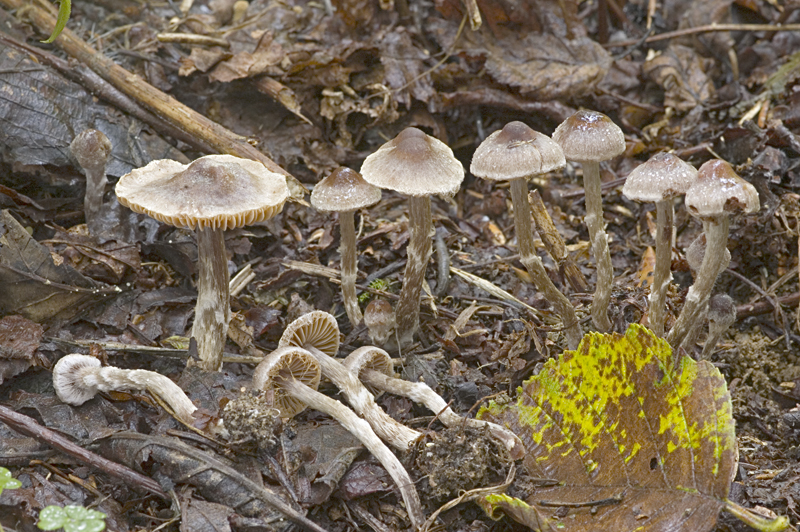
{"points": [[662, 177], [370, 357], [91, 148], [516, 151], [414, 164], [69, 378], [317, 329], [215, 191], [718, 191], [380, 319], [286, 363], [344, 190], [589, 136], [721, 312], [696, 252]]}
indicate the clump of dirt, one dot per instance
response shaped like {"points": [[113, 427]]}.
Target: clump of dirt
{"points": [[251, 422], [759, 362], [458, 459]]}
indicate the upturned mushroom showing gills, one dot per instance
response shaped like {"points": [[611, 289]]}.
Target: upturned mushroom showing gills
{"points": [[660, 180], [589, 137], [210, 195], [345, 191], [290, 376], [514, 154], [318, 333], [78, 378], [374, 367], [717, 194], [419, 166]]}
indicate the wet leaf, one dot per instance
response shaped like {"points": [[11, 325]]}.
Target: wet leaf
{"points": [[33, 284], [19, 339], [635, 437], [680, 71]]}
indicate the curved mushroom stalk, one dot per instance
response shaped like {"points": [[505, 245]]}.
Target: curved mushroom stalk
{"points": [[280, 372], [77, 378], [318, 333], [365, 360]]}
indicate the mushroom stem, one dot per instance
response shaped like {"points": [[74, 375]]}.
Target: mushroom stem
{"points": [[532, 262], [662, 276], [716, 230], [362, 430], [213, 310], [419, 251], [363, 402], [347, 250], [419, 392], [721, 315], [597, 236], [84, 374]]}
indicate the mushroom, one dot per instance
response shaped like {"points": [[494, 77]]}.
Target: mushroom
{"points": [[345, 191], [721, 315], [417, 165], [92, 149], [589, 137], [697, 250], [290, 375], [660, 180], [717, 194], [212, 194], [380, 319], [77, 378], [514, 154], [318, 333], [374, 367]]}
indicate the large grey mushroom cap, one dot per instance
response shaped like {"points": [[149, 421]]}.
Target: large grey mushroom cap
{"points": [[344, 190], [414, 164], [662, 177], [719, 191], [215, 192], [516, 151], [70, 378], [291, 363], [589, 136]]}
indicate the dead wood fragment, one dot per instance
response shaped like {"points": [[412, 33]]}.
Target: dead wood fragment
{"points": [[29, 427]]}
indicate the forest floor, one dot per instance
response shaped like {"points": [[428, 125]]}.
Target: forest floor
{"points": [[315, 90]]}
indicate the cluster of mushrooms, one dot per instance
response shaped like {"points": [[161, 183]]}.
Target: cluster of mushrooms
{"points": [[220, 192]]}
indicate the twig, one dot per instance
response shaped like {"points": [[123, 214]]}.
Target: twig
{"points": [[29, 427], [709, 28]]}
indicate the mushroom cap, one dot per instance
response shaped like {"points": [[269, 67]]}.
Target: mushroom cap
{"points": [[344, 190], [380, 319], [696, 252], [316, 329], [721, 311], [370, 357], [516, 151], [69, 378], [719, 191], [215, 192], [91, 148], [415, 164], [662, 177], [589, 136], [287, 363]]}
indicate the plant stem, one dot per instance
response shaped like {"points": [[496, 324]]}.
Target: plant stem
{"points": [[362, 430], [716, 230], [419, 251], [662, 276], [597, 236], [347, 250], [524, 228], [213, 310]]}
